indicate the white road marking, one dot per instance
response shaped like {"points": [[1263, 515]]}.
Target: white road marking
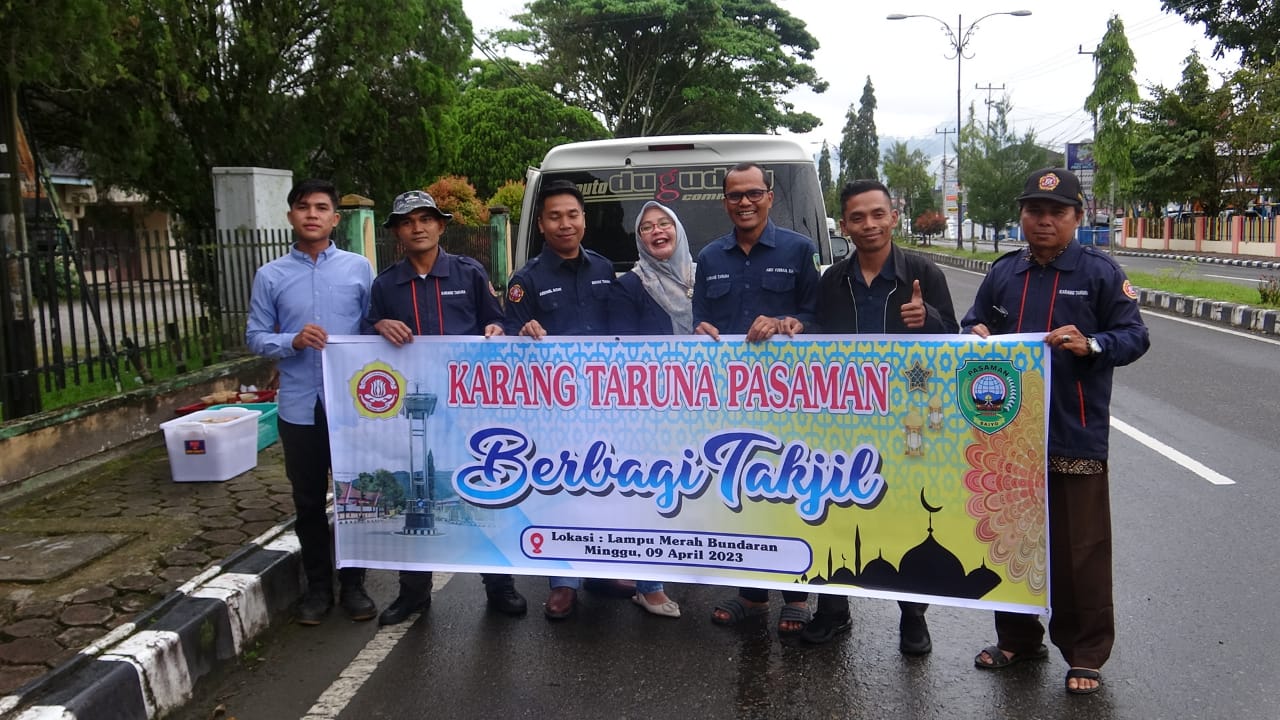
{"points": [[1233, 278], [1194, 466], [338, 695], [1150, 312]]}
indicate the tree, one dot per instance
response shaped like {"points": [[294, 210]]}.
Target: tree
{"points": [[510, 196], [860, 146], [929, 223], [1113, 103], [1176, 158], [345, 89], [907, 174], [510, 129], [1254, 127], [824, 169], [997, 163], [457, 196], [666, 66], [1250, 26]]}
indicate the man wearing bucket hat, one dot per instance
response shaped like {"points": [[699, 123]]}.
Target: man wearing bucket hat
{"points": [[432, 292], [298, 301], [1088, 311]]}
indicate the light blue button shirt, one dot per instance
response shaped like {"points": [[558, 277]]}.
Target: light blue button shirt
{"points": [[291, 291]]}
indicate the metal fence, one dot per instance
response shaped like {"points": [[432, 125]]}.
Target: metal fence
{"points": [[99, 312]]}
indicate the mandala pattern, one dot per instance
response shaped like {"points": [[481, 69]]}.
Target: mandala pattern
{"points": [[1006, 486]]}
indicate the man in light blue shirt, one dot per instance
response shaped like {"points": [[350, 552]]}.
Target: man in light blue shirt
{"points": [[298, 301]]}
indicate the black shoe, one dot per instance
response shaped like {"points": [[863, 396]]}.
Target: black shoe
{"points": [[356, 602], [914, 635], [824, 627], [506, 600], [402, 607], [314, 606]]}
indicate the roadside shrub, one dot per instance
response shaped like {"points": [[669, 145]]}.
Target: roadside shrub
{"points": [[511, 195], [1269, 289], [455, 194]]}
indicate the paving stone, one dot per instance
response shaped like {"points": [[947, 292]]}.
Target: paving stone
{"points": [[215, 502], [257, 501], [36, 610], [79, 615], [13, 677], [66, 655], [34, 627], [222, 552], [254, 529], [179, 574], [256, 514], [29, 651], [223, 537], [135, 583], [102, 511], [220, 522], [79, 637], [93, 594], [134, 604], [184, 557]]}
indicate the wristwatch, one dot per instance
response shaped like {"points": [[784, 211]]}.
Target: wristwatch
{"points": [[1094, 347]]}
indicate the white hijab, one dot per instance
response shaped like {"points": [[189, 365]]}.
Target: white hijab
{"points": [[669, 282]]}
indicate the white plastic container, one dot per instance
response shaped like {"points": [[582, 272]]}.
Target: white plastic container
{"points": [[212, 445]]}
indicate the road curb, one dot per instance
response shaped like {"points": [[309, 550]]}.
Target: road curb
{"points": [[1245, 317], [149, 667], [1208, 259]]}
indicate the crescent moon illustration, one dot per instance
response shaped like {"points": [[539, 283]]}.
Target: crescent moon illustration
{"points": [[926, 504]]}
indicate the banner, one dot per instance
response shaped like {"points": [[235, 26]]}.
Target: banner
{"points": [[905, 467]]}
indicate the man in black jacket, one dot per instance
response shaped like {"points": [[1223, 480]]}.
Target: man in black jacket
{"points": [[878, 289]]}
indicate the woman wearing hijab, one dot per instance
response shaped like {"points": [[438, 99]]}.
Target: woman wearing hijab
{"points": [[655, 297]]}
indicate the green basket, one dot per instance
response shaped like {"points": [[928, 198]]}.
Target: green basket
{"points": [[268, 432]]}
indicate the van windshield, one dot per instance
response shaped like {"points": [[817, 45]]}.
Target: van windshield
{"points": [[614, 198]]}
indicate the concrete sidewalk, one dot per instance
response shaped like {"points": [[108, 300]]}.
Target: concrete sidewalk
{"points": [[120, 589]]}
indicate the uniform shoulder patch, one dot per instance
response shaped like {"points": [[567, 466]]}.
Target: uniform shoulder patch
{"points": [[1129, 291], [817, 262], [515, 293]]}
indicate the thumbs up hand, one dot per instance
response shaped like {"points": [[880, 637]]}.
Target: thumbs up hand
{"points": [[913, 313]]}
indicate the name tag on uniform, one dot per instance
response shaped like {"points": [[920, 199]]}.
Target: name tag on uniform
{"points": [[548, 291]]}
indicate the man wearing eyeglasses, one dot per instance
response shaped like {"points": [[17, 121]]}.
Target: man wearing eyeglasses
{"points": [[759, 280]]}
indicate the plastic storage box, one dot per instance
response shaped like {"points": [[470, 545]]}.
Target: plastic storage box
{"points": [[212, 445], [268, 431]]}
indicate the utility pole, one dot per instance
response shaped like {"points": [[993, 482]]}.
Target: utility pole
{"points": [[1093, 211], [989, 89], [944, 133]]}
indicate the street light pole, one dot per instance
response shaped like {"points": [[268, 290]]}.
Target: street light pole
{"points": [[959, 37]]}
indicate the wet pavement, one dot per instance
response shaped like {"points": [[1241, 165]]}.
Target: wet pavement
{"points": [[93, 552]]}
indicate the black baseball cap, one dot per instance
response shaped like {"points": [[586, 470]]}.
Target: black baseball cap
{"points": [[1057, 184]]}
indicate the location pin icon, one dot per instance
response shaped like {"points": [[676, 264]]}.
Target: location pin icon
{"points": [[536, 541]]}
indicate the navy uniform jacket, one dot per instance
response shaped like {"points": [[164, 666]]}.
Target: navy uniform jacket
{"points": [[632, 311], [455, 298], [838, 313], [568, 297], [778, 279], [1081, 287]]}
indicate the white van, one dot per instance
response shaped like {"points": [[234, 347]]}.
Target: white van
{"points": [[683, 172]]}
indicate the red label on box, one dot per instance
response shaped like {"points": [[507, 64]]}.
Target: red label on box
{"points": [[193, 447]]}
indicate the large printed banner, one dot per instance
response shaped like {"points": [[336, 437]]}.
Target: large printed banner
{"points": [[906, 467]]}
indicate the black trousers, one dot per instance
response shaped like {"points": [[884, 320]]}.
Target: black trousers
{"points": [[839, 605], [1083, 622], [306, 464], [417, 583]]}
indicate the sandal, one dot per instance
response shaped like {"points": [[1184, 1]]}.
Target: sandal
{"points": [[737, 610], [794, 614], [1000, 661], [1076, 673]]}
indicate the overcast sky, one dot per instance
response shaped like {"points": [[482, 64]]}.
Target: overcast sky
{"points": [[1035, 58]]}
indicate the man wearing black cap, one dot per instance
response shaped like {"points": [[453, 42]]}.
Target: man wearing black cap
{"points": [[1088, 311], [430, 292]]}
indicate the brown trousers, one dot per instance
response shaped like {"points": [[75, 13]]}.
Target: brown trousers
{"points": [[1082, 624]]}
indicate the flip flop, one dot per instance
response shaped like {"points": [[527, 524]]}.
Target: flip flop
{"points": [[794, 614], [1083, 674], [999, 661], [737, 610]]}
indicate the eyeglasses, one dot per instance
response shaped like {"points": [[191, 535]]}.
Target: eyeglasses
{"points": [[647, 228], [754, 195]]}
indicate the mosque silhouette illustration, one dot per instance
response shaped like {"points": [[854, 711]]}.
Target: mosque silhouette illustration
{"points": [[928, 568]]}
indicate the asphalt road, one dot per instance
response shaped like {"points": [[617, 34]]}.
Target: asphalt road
{"points": [[1195, 588]]}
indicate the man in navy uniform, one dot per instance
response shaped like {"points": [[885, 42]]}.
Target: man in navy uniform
{"points": [[1088, 311], [431, 292]]}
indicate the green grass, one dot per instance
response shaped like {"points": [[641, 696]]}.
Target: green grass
{"points": [[1180, 280]]}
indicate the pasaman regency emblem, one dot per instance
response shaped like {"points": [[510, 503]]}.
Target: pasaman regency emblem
{"points": [[989, 393], [378, 390]]}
